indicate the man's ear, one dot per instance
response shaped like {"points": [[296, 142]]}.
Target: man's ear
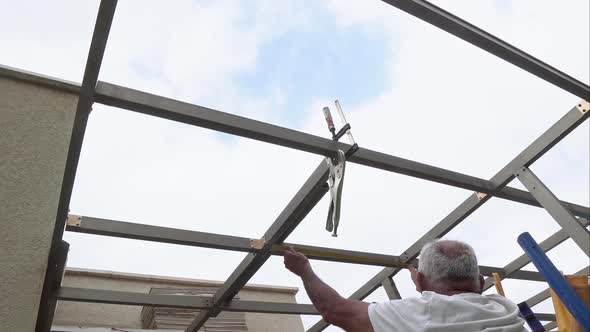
{"points": [[481, 283], [419, 282], [414, 275]]}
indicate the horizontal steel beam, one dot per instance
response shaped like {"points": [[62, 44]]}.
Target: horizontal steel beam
{"points": [[179, 301], [129, 298], [135, 231], [106, 227], [517, 264], [460, 28], [564, 218], [270, 307], [534, 151], [142, 102]]}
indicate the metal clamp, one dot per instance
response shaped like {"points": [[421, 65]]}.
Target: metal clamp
{"points": [[337, 166], [335, 182]]}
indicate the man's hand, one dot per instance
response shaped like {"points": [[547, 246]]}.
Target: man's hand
{"points": [[350, 315], [296, 262]]}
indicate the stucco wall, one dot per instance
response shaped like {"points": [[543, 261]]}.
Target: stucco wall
{"points": [[121, 316], [35, 128]]}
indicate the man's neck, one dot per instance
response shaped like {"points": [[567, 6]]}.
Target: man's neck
{"points": [[454, 288], [457, 291]]}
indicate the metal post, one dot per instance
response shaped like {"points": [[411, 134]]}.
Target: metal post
{"points": [[534, 151], [556, 281], [454, 25], [55, 274], [566, 220], [106, 12]]}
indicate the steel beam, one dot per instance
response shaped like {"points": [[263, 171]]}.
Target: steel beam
{"points": [[544, 294], [517, 264], [146, 103], [106, 12], [105, 227], [306, 198], [270, 307], [129, 298], [178, 301], [391, 289], [564, 218], [529, 155], [545, 317], [454, 25], [55, 273], [538, 298], [135, 231]]}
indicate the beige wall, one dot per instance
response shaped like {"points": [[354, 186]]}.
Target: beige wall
{"points": [[121, 316], [35, 128]]}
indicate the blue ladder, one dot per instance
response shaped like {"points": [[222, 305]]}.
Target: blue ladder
{"points": [[556, 281]]}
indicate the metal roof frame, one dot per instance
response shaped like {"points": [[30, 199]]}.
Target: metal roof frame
{"points": [[259, 250]]}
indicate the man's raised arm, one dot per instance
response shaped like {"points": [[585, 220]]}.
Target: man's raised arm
{"points": [[352, 316]]}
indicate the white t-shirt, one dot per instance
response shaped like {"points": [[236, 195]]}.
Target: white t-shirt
{"points": [[432, 312]]}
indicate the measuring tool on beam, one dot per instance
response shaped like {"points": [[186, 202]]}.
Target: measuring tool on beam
{"points": [[346, 257]]}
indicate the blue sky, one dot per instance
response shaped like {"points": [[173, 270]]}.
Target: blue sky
{"points": [[316, 59], [326, 61]]}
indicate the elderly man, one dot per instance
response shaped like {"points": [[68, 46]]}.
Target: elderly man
{"points": [[448, 278]]}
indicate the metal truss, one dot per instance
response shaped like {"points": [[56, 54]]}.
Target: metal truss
{"points": [[572, 217]]}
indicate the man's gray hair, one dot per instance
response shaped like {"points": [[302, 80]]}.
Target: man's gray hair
{"points": [[448, 261]]}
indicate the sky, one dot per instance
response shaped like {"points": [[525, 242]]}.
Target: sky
{"points": [[408, 89]]}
